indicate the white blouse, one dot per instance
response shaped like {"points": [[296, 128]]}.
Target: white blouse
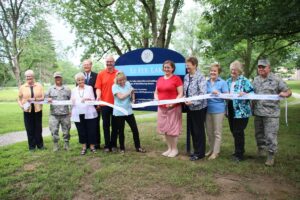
{"points": [[78, 108]]}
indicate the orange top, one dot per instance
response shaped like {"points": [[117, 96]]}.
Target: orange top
{"points": [[25, 94], [104, 82]]}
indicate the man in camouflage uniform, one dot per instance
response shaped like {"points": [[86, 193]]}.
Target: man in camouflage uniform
{"points": [[267, 112], [59, 114]]}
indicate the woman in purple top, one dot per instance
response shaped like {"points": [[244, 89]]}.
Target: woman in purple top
{"points": [[215, 111]]}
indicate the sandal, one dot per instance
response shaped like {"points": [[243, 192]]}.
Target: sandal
{"points": [[93, 150], [83, 152], [141, 150]]}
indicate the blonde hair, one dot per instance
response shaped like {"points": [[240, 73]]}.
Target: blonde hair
{"points": [[216, 65], [119, 74], [79, 75], [237, 65]]}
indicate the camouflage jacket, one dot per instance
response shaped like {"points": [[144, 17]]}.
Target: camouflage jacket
{"points": [[270, 85], [64, 93]]}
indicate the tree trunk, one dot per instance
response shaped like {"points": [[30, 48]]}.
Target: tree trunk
{"points": [[16, 70]]}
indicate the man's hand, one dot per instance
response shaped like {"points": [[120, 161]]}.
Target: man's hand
{"points": [[284, 94]]}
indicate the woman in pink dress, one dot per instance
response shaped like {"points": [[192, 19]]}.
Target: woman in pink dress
{"points": [[169, 117]]}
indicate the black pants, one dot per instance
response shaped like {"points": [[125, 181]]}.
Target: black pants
{"points": [[107, 116], [118, 130], [33, 126], [87, 130], [98, 134], [196, 120], [237, 127]]}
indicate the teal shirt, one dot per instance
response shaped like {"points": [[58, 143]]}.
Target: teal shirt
{"points": [[242, 108], [123, 103]]}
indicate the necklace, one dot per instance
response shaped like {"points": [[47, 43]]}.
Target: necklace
{"points": [[82, 93]]}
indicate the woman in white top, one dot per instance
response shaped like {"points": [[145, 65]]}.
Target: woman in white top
{"points": [[84, 116]]}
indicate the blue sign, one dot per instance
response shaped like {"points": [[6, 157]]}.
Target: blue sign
{"points": [[144, 66]]}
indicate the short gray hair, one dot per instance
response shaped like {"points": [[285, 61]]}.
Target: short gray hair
{"points": [[29, 72], [79, 75], [237, 65]]}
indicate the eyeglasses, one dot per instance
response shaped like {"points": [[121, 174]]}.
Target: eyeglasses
{"points": [[261, 67]]}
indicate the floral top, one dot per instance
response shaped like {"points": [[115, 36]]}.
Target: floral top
{"points": [[193, 86], [242, 108]]}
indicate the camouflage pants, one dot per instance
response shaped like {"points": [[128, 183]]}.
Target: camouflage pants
{"points": [[64, 121], [266, 129]]}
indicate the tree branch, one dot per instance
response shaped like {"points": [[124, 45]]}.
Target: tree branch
{"points": [[121, 34], [5, 15], [171, 23], [284, 46]]}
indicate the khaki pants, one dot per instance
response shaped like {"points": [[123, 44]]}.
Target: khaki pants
{"points": [[214, 125]]}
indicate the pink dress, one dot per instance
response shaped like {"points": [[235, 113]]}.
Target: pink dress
{"points": [[169, 120]]}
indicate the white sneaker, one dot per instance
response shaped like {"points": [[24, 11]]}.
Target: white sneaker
{"points": [[173, 153], [166, 153]]}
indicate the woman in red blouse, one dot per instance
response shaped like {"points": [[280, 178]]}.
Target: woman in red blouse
{"points": [[169, 117]]}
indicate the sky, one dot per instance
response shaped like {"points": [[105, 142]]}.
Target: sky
{"points": [[64, 38]]}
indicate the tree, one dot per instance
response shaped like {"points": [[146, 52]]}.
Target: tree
{"points": [[16, 19], [39, 52], [251, 29], [120, 26], [186, 30]]}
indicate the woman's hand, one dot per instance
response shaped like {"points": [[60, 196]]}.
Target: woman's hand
{"points": [[188, 103], [242, 94], [31, 99], [169, 105], [49, 100], [215, 92]]}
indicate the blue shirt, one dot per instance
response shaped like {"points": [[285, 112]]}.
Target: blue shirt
{"points": [[216, 105], [123, 103]]}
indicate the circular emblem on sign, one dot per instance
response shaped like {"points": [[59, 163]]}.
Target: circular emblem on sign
{"points": [[147, 56]]}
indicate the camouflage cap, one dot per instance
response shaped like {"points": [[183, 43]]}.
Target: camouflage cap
{"points": [[263, 62], [57, 74]]}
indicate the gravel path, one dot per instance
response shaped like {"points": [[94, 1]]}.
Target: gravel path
{"points": [[20, 136]]}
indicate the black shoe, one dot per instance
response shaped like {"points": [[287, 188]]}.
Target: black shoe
{"points": [[237, 159], [42, 148], [140, 150], [195, 157]]}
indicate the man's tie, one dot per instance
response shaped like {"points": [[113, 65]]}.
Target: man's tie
{"points": [[87, 79]]}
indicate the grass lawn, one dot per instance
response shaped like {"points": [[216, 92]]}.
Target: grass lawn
{"points": [[11, 117], [67, 175], [295, 86]]}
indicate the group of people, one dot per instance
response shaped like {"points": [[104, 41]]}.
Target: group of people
{"points": [[111, 86], [208, 115], [108, 85]]}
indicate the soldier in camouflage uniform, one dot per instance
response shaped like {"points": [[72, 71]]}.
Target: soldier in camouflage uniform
{"points": [[267, 112], [59, 114]]}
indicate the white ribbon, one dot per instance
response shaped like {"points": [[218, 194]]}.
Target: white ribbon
{"points": [[172, 101], [69, 102], [209, 96]]}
